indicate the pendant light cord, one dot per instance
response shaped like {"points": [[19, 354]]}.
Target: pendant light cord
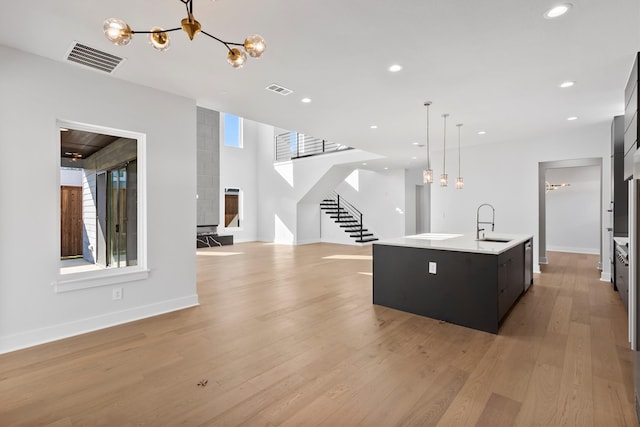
{"points": [[427, 104], [444, 152]]}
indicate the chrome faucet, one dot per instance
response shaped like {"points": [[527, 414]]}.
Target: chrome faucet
{"points": [[478, 222]]}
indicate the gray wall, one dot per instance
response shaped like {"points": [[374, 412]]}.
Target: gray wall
{"points": [[208, 186]]}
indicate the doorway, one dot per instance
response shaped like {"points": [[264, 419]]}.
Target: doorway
{"points": [[120, 225], [70, 221], [232, 207], [423, 215], [543, 172]]}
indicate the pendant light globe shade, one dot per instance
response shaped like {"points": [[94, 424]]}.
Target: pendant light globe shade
{"points": [[255, 45], [159, 39], [236, 58], [117, 31]]}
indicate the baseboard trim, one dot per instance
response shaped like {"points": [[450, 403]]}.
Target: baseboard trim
{"points": [[605, 277], [65, 330], [588, 251]]}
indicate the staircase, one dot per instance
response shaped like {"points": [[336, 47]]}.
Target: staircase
{"points": [[347, 217]]}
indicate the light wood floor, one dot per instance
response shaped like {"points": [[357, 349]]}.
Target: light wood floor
{"points": [[285, 336]]}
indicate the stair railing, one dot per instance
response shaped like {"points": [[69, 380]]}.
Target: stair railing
{"points": [[293, 145], [349, 208]]}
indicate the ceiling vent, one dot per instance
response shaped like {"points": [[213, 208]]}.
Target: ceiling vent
{"points": [[93, 58], [279, 89]]}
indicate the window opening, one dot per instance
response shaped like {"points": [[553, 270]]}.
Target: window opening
{"points": [[232, 128]]}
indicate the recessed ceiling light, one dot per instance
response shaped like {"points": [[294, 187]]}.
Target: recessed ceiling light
{"points": [[414, 157], [386, 168], [305, 100], [482, 132], [415, 143], [374, 126], [557, 11], [572, 118], [395, 68], [567, 84], [364, 164]]}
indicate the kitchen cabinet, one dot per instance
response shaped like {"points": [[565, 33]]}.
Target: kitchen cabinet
{"points": [[631, 120], [510, 278], [459, 280], [619, 188]]}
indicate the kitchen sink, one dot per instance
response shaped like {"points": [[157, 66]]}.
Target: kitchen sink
{"points": [[494, 239]]}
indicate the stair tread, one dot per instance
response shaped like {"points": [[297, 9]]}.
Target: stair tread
{"points": [[373, 239]]}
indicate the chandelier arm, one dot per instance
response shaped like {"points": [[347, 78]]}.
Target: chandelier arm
{"points": [[226, 44], [188, 4], [156, 32]]}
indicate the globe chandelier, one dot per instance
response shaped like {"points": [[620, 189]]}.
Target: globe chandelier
{"points": [[120, 33]]}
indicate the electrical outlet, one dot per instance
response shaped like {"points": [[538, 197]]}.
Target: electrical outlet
{"points": [[432, 267], [116, 294]]}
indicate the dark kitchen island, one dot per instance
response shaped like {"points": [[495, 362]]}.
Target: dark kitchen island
{"points": [[454, 278]]}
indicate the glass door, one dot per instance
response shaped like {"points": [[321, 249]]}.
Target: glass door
{"points": [[116, 217]]}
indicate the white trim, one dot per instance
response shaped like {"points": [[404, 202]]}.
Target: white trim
{"points": [[56, 332], [590, 251], [605, 277], [91, 279]]}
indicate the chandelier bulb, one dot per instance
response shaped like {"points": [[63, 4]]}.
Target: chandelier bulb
{"points": [[236, 58], [159, 39], [117, 31], [255, 45]]}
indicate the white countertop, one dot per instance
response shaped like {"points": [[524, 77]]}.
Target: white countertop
{"points": [[458, 242]]}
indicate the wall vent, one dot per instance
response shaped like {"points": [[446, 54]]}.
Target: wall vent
{"points": [[279, 89], [93, 58]]}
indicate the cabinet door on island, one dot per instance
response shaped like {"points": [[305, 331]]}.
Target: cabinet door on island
{"points": [[510, 278]]}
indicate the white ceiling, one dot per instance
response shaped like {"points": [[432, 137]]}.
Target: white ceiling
{"points": [[494, 65]]}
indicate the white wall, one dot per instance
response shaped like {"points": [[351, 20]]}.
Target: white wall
{"points": [[287, 191], [506, 175], [380, 196], [573, 212], [238, 169], [35, 93], [72, 177]]}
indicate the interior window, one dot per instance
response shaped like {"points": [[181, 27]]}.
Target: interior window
{"points": [[232, 128], [98, 201]]}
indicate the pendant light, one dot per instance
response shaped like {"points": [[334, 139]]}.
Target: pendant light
{"points": [[443, 177], [120, 33], [427, 174], [459, 179]]}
